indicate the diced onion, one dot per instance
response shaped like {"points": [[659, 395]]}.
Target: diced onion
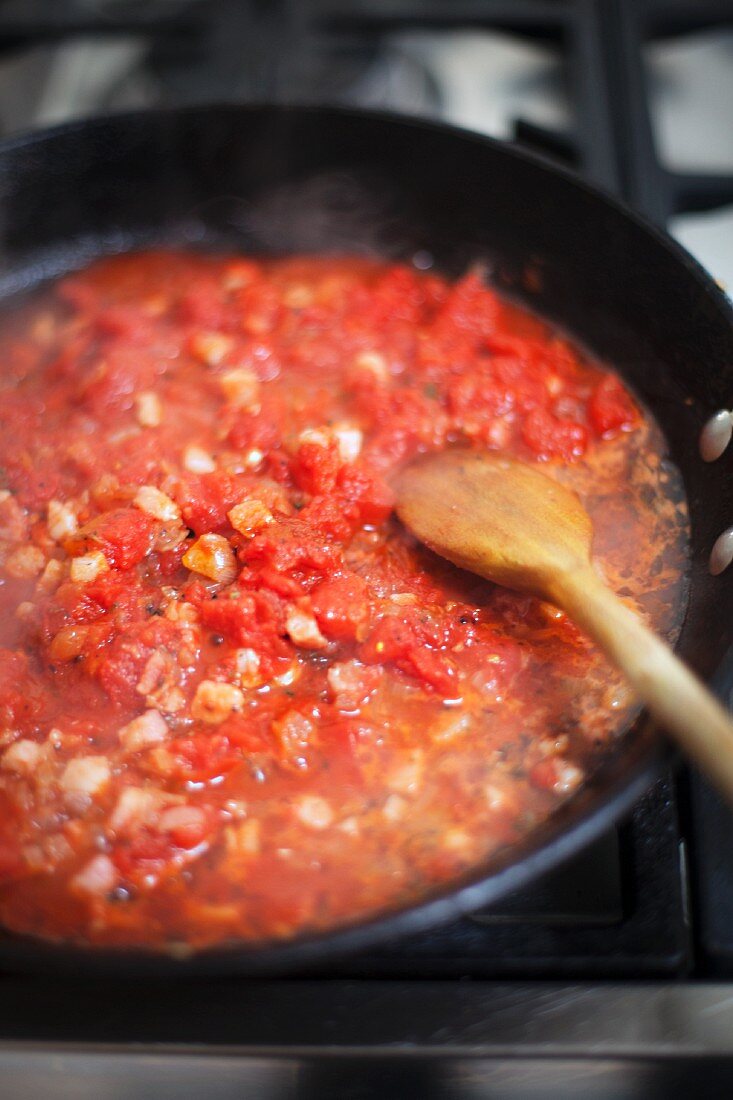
{"points": [[314, 812], [181, 817], [496, 798], [88, 567], [211, 347], [407, 778], [25, 562], [303, 629], [291, 674], [61, 521], [456, 840], [139, 806], [97, 877], [23, 757], [148, 729], [215, 701], [394, 808], [351, 683], [157, 504], [198, 461], [249, 516], [450, 726], [298, 296], [248, 667], [321, 437], [569, 778], [349, 442], [373, 362], [50, 578], [148, 409], [244, 839], [403, 599], [241, 387], [86, 775], [212, 556]]}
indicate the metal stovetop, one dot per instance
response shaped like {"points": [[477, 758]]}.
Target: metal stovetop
{"points": [[324, 1039]]}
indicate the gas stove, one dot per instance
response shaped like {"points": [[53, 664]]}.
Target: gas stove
{"points": [[611, 976]]}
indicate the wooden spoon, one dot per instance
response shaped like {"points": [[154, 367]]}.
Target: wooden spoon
{"points": [[512, 524]]}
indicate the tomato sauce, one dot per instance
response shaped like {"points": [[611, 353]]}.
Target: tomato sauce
{"points": [[237, 701]]}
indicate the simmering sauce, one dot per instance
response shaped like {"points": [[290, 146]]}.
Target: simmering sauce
{"points": [[237, 701]]}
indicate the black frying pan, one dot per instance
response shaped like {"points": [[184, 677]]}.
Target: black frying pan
{"points": [[302, 179]]}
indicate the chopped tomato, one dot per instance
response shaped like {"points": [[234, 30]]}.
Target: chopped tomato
{"points": [[22, 698], [610, 409], [341, 606], [316, 467], [548, 436], [333, 515], [205, 499], [370, 493], [200, 757], [238, 701], [255, 620], [124, 536], [404, 641]]}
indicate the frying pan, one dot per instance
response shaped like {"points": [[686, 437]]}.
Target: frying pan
{"points": [[311, 179]]}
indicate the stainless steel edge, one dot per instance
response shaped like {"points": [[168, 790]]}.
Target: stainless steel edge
{"points": [[433, 1018]]}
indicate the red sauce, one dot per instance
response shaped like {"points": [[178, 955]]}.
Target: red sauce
{"points": [[237, 701]]}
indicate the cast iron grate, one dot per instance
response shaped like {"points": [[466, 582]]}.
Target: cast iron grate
{"points": [[603, 41]]}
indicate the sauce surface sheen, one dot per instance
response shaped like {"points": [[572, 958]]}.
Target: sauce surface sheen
{"points": [[237, 701]]}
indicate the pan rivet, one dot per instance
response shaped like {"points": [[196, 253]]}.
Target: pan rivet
{"points": [[716, 435], [722, 553]]}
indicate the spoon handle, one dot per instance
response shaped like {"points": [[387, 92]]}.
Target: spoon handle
{"points": [[681, 704]]}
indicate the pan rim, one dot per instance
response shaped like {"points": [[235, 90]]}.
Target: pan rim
{"points": [[482, 885], [394, 118]]}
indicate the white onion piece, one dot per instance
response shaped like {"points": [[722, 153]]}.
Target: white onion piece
{"points": [[61, 520], [87, 568], [97, 877], [313, 811], [86, 775], [722, 553], [212, 556], [198, 461], [349, 442], [147, 729], [156, 504], [149, 411], [215, 701], [716, 435]]}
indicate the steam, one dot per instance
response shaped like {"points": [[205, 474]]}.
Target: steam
{"points": [[330, 212]]}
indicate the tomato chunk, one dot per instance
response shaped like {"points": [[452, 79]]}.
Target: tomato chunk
{"points": [[610, 409], [206, 499], [548, 436], [316, 466], [403, 641], [125, 537], [341, 606]]}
